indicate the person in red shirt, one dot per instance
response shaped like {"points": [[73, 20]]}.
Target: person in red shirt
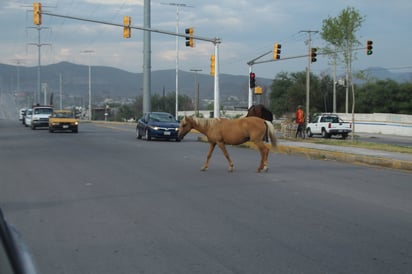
{"points": [[300, 120]]}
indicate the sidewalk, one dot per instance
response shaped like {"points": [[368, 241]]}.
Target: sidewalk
{"points": [[347, 154]]}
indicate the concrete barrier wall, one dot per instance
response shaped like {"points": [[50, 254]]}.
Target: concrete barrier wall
{"points": [[381, 123], [377, 123]]}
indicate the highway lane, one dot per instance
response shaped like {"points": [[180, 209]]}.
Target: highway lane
{"points": [[101, 201]]}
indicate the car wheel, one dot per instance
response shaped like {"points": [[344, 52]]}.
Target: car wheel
{"points": [[147, 135], [344, 136], [325, 134], [33, 127], [309, 132], [51, 130], [138, 136]]}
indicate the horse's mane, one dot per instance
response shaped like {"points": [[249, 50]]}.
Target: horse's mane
{"points": [[206, 122]]}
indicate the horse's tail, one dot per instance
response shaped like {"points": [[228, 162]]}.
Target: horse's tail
{"points": [[271, 133]]}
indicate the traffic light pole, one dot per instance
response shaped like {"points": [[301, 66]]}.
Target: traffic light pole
{"points": [[215, 41], [216, 109], [251, 63], [250, 94]]}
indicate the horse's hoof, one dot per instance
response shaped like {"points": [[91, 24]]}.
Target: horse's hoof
{"points": [[203, 169], [231, 169], [265, 169]]}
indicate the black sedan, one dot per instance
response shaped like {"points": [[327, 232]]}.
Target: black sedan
{"points": [[159, 125]]}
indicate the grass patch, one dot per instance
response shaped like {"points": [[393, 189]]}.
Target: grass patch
{"points": [[357, 143]]}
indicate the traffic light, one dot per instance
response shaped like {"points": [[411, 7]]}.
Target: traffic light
{"points": [[313, 54], [127, 31], [189, 40], [369, 47], [276, 51], [212, 65], [258, 90], [37, 13], [252, 80]]}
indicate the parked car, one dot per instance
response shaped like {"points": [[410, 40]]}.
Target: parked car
{"points": [[159, 125], [27, 117], [328, 125], [63, 120]]}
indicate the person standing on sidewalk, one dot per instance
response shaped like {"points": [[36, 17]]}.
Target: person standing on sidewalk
{"points": [[300, 120]]}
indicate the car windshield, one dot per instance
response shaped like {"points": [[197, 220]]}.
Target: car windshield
{"points": [[42, 111], [63, 115], [162, 117]]}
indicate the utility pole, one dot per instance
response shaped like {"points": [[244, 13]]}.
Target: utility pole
{"points": [[196, 91], [39, 45], [90, 82], [147, 66], [334, 81], [309, 43], [177, 53], [61, 90], [18, 62]]}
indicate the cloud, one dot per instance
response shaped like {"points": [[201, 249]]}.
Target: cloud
{"points": [[247, 29]]}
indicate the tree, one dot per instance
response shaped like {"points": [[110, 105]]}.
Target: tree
{"points": [[339, 32], [289, 91], [279, 94], [385, 96]]}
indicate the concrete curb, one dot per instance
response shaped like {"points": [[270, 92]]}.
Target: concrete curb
{"points": [[321, 154]]}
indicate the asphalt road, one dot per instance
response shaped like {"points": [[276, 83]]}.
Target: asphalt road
{"points": [[101, 201]]}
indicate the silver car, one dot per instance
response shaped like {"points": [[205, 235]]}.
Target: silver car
{"points": [[27, 117]]}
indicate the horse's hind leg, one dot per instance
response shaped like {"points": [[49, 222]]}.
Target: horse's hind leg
{"points": [[264, 153], [209, 154], [223, 148]]}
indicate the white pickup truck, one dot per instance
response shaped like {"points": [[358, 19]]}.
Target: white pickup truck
{"points": [[328, 125], [40, 116]]}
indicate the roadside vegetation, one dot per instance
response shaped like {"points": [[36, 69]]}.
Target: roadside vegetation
{"points": [[356, 143]]}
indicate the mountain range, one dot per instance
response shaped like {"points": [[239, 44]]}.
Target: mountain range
{"points": [[116, 83]]}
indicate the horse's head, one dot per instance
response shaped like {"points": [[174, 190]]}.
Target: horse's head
{"points": [[185, 127]]}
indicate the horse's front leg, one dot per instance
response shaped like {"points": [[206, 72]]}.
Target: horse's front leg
{"points": [[223, 148], [209, 154]]}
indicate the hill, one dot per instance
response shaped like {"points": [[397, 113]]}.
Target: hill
{"points": [[109, 82], [115, 83]]}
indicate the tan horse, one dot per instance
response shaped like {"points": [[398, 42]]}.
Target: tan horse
{"points": [[232, 132]]}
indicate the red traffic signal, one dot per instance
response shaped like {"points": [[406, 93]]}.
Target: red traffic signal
{"points": [[252, 80]]}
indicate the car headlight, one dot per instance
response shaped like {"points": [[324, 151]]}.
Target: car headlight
{"points": [[155, 127]]}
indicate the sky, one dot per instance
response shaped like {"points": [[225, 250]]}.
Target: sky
{"points": [[247, 29]]}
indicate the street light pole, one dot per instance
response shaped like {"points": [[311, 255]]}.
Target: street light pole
{"points": [[309, 43], [90, 83], [177, 53], [196, 91]]}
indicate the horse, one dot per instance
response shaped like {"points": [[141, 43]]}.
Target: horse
{"points": [[221, 131], [260, 111]]}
